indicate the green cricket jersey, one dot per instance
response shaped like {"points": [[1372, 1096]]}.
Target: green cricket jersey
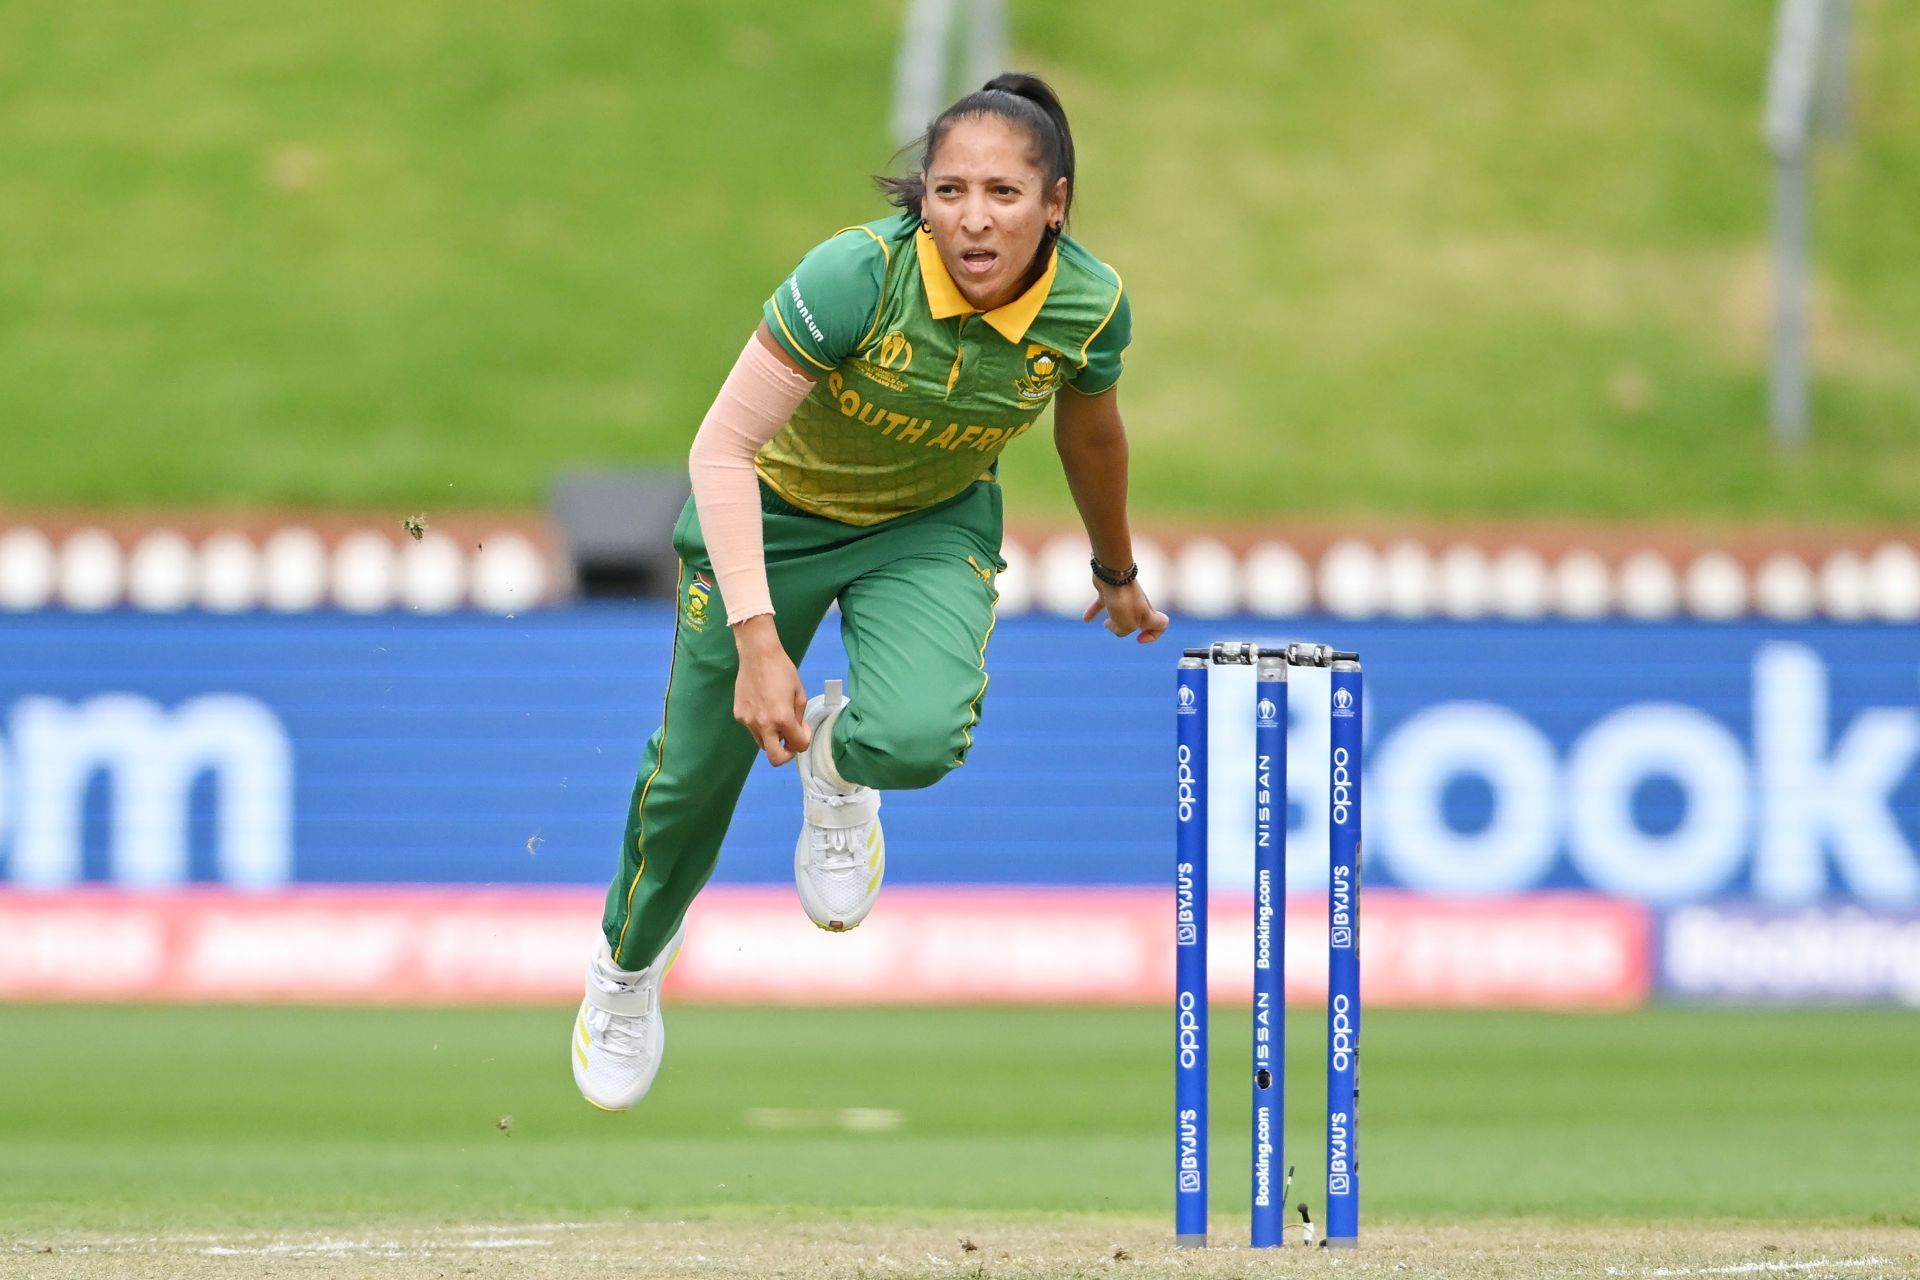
{"points": [[918, 392]]}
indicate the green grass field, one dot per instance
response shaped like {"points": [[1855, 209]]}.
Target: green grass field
{"points": [[148, 1119], [418, 256]]}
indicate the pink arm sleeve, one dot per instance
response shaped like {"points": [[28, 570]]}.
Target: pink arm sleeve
{"points": [[754, 403]]}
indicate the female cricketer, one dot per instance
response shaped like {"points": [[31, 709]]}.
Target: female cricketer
{"points": [[850, 456]]}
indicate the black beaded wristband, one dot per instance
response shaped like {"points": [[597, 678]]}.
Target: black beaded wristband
{"points": [[1113, 577]]}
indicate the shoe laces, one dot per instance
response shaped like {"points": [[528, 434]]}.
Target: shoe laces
{"points": [[621, 1033], [836, 848]]}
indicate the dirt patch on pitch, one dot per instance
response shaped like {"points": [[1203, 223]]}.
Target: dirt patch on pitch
{"points": [[967, 1251]]}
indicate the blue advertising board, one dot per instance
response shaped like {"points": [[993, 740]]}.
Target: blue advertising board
{"points": [[1670, 764]]}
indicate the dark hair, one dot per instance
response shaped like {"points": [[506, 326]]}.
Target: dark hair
{"points": [[1021, 99]]}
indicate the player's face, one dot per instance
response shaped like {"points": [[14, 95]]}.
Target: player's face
{"points": [[988, 204]]}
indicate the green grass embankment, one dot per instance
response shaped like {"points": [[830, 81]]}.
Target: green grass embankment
{"points": [[1460, 261]]}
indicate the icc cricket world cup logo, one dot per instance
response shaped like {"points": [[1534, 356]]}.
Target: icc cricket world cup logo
{"points": [[894, 352]]}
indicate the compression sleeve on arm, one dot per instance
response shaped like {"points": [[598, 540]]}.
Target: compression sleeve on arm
{"points": [[754, 403]]}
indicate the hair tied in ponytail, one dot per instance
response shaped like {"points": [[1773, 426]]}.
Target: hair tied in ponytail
{"points": [[1016, 97]]}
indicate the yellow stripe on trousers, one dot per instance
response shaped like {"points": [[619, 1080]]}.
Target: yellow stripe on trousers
{"points": [[640, 843], [973, 708]]}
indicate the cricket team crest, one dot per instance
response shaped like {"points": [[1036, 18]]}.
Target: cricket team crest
{"points": [[1045, 371], [699, 591]]}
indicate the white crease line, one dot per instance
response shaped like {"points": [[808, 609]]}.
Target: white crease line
{"points": [[1753, 1268], [290, 1249], [388, 1248]]}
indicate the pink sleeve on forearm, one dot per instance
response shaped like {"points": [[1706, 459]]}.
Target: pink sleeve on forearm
{"points": [[754, 403]]}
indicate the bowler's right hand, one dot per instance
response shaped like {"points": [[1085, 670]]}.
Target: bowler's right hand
{"points": [[768, 698]]}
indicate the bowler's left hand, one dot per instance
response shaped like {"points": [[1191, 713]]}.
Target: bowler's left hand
{"points": [[1128, 610]]}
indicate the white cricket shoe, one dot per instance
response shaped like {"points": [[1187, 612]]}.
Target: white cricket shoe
{"points": [[619, 1035], [841, 854]]}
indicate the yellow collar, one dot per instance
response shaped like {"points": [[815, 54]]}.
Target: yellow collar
{"points": [[944, 298]]}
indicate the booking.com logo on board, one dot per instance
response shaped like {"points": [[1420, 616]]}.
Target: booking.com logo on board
{"points": [[1791, 775], [1660, 800], [1798, 797], [151, 759]]}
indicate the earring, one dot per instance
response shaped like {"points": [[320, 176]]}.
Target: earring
{"points": [[926, 226]]}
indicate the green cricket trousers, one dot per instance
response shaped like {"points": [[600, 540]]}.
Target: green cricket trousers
{"points": [[916, 608]]}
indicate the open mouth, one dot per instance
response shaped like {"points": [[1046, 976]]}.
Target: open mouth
{"points": [[978, 262]]}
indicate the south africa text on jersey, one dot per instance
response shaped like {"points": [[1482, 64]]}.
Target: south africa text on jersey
{"points": [[911, 430]]}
